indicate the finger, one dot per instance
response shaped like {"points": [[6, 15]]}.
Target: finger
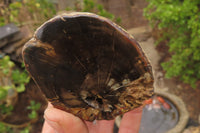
{"points": [[63, 122], [131, 121], [47, 129], [100, 126]]}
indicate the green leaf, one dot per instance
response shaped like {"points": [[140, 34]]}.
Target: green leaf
{"points": [[25, 130], [20, 77], [20, 88], [3, 93], [5, 129], [6, 109], [33, 107], [32, 115]]}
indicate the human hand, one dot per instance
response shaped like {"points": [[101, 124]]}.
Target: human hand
{"points": [[58, 121]]}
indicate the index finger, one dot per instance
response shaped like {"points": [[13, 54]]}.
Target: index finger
{"points": [[130, 122]]}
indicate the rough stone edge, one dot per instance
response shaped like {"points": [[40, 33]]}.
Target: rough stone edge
{"points": [[178, 102]]}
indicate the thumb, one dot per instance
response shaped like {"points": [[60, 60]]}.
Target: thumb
{"points": [[63, 122]]}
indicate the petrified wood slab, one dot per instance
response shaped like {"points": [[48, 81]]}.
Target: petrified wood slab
{"points": [[88, 66]]}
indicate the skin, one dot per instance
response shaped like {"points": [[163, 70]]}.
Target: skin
{"points": [[58, 121]]}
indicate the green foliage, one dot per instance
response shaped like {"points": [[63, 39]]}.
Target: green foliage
{"points": [[104, 13], [5, 129], [2, 21], [6, 65], [10, 13], [180, 22], [89, 6], [14, 11], [36, 10], [44, 7], [92, 6], [18, 78], [3, 92], [25, 130], [33, 107], [12, 81], [5, 109]]}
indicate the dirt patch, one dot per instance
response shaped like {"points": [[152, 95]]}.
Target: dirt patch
{"points": [[19, 117], [191, 98], [130, 11]]}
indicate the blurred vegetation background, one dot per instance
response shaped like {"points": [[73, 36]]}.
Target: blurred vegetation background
{"points": [[178, 22], [175, 23]]}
